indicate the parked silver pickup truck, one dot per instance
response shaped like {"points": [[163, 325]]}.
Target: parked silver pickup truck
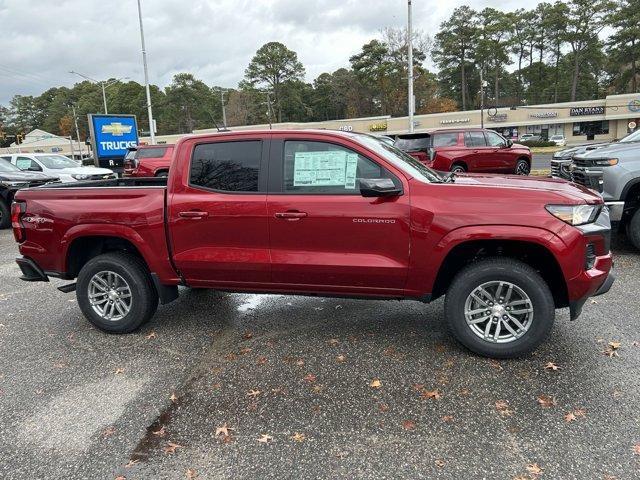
{"points": [[614, 171]]}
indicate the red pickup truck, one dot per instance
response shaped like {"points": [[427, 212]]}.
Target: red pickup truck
{"points": [[148, 161], [323, 213]]}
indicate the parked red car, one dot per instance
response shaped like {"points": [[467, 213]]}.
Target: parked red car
{"points": [[323, 213], [467, 150], [148, 161]]}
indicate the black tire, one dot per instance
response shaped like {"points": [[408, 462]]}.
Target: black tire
{"points": [[162, 174], [523, 167], [633, 229], [508, 270], [144, 297], [458, 168], [5, 215]]}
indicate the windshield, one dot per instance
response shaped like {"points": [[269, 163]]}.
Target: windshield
{"points": [[557, 137], [5, 166], [412, 144], [56, 162], [632, 137], [398, 158]]}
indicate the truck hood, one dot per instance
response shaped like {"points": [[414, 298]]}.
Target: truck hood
{"points": [[545, 187], [26, 177], [610, 150]]}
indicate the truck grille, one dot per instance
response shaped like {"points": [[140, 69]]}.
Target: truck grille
{"points": [[589, 180], [560, 169], [583, 162]]}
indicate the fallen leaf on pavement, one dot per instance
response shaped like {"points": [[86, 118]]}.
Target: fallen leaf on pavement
{"points": [[109, 431], [580, 412], [171, 448], [495, 364], [615, 345], [375, 383], [300, 363], [408, 425], [333, 341], [552, 366], [160, 432], [298, 437], [244, 351], [503, 408], [223, 430], [546, 401], [131, 463], [261, 360], [121, 477], [264, 438], [383, 407], [534, 469], [253, 393], [119, 371], [431, 395], [440, 463], [570, 417], [151, 335], [447, 418], [341, 359], [310, 378], [191, 473], [636, 449], [173, 397], [247, 335]]}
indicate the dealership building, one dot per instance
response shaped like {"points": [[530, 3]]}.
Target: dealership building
{"points": [[591, 120]]}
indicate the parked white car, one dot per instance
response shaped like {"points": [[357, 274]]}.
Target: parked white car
{"points": [[558, 140], [58, 166], [529, 137]]}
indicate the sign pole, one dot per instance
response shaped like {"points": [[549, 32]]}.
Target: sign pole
{"points": [[410, 66], [152, 133]]}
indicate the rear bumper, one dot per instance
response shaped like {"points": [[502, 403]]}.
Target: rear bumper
{"points": [[31, 272]]}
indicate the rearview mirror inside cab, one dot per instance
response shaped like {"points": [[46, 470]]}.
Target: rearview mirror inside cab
{"points": [[379, 187]]}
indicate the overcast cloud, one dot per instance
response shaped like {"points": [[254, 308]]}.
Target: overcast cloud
{"points": [[42, 40]]}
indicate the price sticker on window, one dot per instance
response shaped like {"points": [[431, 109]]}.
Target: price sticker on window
{"points": [[325, 169]]}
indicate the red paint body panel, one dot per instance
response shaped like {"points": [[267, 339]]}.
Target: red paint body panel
{"points": [[333, 244]]}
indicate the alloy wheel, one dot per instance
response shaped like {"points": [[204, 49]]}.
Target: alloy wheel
{"points": [[109, 295], [498, 312]]}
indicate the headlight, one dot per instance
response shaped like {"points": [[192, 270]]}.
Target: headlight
{"points": [[80, 176], [7, 183], [575, 214], [606, 162]]}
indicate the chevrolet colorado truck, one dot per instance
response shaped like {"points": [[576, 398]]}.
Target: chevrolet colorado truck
{"points": [[614, 172], [323, 213]]}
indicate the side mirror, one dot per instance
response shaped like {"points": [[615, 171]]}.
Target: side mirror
{"points": [[509, 143], [432, 154], [34, 169], [379, 187]]}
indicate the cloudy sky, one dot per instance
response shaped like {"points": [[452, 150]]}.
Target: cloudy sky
{"points": [[41, 40]]}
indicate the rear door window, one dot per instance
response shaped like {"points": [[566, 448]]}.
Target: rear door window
{"points": [[474, 139], [413, 144], [227, 166], [448, 139]]}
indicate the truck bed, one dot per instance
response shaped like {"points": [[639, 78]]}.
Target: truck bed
{"points": [[130, 209]]}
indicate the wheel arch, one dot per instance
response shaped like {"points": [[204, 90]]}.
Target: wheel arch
{"points": [[531, 252]]}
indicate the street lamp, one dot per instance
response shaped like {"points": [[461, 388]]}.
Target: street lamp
{"points": [[102, 83], [152, 134]]}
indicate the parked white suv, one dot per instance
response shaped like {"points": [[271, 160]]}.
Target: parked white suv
{"points": [[558, 140], [58, 166]]}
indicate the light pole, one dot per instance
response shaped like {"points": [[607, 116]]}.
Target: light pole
{"points": [[102, 84], [152, 133], [224, 112], [75, 121], [410, 66], [481, 97]]}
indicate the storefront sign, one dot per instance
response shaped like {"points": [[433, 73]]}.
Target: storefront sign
{"points": [[346, 128], [634, 105], [582, 111], [378, 127], [498, 117], [455, 120], [543, 115], [632, 125]]}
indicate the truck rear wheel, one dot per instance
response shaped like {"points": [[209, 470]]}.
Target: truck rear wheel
{"points": [[5, 215], [499, 308], [115, 292], [633, 229]]}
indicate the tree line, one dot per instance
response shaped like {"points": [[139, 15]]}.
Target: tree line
{"points": [[551, 53]]}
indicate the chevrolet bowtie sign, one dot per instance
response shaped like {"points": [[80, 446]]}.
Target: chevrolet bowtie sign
{"points": [[116, 129], [111, 137]]}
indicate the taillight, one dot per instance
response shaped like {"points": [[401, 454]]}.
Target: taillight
{"points": [[17, 211]]}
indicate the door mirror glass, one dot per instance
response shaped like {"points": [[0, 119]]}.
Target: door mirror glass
{"points": [[379, 187], [509, 143]]}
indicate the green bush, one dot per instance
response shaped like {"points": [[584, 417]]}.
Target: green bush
{"points": [[538, 143]]}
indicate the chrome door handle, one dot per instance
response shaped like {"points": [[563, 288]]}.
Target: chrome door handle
{"points": [[291, 215], [193, 214]]}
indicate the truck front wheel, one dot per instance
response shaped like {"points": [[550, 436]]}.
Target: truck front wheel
{"points": [[633, 229], [115, 292], [499, 308]]}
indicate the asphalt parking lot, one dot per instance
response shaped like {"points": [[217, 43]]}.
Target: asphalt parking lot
{"points": [[311, 388]]}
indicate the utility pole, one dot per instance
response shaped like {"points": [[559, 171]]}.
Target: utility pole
{"points": [[75, 120], [481, 99], [410, 67], [102, 84], [224, 112], [269, 109], [152, 133]]}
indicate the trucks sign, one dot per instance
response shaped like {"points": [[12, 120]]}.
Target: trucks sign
{"points": [[111, 136]]}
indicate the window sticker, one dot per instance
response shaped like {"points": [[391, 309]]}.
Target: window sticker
{"points": [[325, 169]]}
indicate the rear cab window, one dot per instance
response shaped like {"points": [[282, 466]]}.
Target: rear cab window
{"points": [[230, 166], [316, 167]]}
